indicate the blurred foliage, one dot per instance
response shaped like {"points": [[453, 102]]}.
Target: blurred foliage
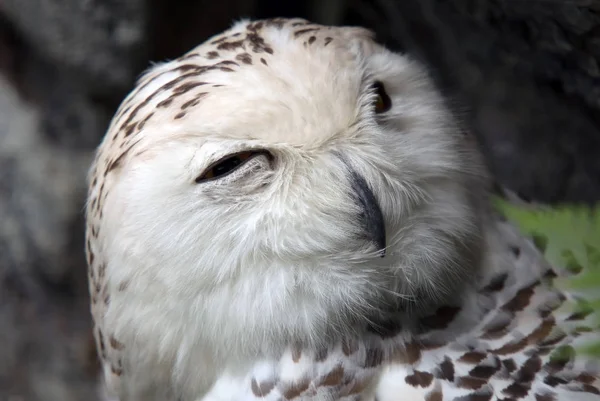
{"points": [[569, 237]]}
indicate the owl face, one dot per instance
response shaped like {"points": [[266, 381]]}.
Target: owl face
{"points": [[283, 181]]}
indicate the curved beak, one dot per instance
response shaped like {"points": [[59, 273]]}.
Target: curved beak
{"points": [[371, 216]]}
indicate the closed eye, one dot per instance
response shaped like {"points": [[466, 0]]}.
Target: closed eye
{"points": [[229, 164]]}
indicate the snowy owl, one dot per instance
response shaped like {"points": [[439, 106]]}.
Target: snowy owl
{"points": [[290, 211]]}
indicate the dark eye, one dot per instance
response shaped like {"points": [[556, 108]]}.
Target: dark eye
{"points": [[382, 102], [229, 164]]}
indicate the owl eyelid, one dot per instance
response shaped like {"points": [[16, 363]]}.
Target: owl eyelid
{"points": [[239, 159]]}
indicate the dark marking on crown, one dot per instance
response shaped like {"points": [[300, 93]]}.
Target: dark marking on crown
{"points": [[258, 43], [303, 31], [231, 45], [244, 58], [144, 121], [275, 22], [255, 26], [328, 40], [114, 343], [212, 55], [116, 162]]}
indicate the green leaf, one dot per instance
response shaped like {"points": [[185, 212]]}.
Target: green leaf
{"points": [[569, 238]]}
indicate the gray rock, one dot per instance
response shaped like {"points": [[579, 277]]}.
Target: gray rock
{"points": [[44, 324], [100, 41]]}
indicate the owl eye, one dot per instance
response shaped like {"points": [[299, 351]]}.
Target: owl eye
{"points": [[229, 164], [382, 102]]}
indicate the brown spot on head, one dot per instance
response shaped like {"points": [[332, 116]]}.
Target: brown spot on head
{"points": [[262, 60], [165, 103], [419, 379], [275, 22], [143, 122], [311, 40], [218, 40], [190, 103], [116, 344], [244, 58], [303, 31], [129, 129], [183, 88], [262, 389], [212, 55], [179, 115], [231, 45], [328, 40]]}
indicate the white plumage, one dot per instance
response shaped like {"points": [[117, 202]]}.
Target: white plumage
{"points": [[290, 211]]}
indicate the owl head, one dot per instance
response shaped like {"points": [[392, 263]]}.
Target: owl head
{"points": [[283, 181]]}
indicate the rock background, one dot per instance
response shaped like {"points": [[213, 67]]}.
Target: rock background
{"points": [[524, 75]]}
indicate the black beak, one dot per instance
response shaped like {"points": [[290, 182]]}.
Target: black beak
{"points": [[371, 216]]}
